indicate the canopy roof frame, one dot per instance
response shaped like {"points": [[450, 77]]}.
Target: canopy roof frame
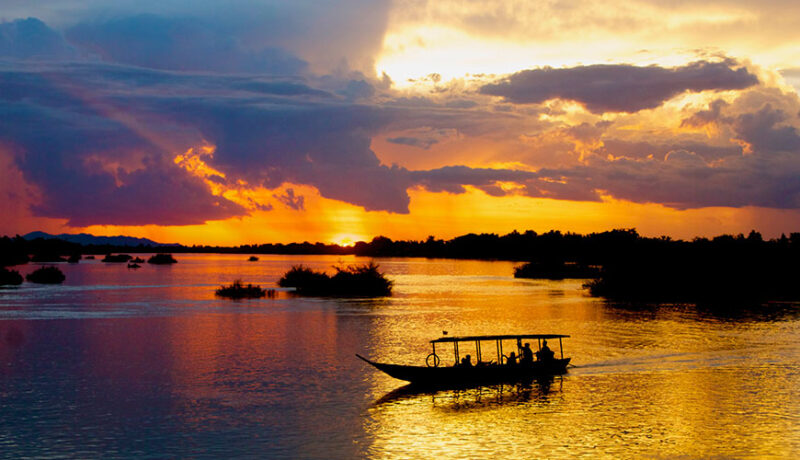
{"points": [[497, 337]]}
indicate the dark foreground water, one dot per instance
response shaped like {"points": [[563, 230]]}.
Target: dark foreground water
{"points": [[148, 363]]}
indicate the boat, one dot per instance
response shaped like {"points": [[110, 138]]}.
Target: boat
{"points": [[505, 368]]}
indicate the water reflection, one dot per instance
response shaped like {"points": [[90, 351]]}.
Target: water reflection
{"points": [[476, 396], [151, 364], [762, 312]]}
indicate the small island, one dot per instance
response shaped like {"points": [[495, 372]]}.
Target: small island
{"points": [[162, 259], [46, 275], [238, 290], [351, 281], [9, 277]]}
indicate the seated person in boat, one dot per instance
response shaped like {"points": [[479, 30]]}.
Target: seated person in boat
{"points": [[545, 353], [512, 359], [527, 354], [466, 361]]}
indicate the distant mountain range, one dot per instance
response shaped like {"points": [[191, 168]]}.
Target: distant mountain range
{"points": [[85, 238]]}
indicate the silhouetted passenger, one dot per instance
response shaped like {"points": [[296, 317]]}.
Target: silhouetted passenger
{"points": [[527, 354], [466, 361], [545, 353], [512, 359]]}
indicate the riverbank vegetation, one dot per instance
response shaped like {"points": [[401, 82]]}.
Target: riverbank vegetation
{"points": [[351, 281], [631, 267], [725, 270]]}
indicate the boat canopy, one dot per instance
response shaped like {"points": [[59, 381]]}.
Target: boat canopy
{"points": [[498, 337]]}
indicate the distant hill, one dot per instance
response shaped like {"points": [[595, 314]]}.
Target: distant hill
{"points": [[85, 238]]}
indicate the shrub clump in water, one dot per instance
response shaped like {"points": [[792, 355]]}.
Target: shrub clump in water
{"points": [[237, 290], [46, 275], [162, 259], [9, 277], [351, 281]]}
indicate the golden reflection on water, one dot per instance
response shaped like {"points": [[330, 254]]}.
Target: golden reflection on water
{"points": [[695, 414], [280, 375]]}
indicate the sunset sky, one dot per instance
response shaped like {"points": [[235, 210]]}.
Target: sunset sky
{"points": [[251, 121]]}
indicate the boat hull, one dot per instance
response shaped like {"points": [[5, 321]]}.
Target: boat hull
{"points": [[489, 373]]}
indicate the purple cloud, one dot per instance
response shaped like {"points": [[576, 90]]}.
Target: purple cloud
{"points": [[97, 138], [619, 88], [419, 142]]}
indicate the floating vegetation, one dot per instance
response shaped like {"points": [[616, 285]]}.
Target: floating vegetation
{"points": [[162, 259], [238, 290], [9, 277], [46, 275], [119, 258], [351, 281]]}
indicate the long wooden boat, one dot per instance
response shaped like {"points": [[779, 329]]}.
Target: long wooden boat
{"points": [[504, 369]]}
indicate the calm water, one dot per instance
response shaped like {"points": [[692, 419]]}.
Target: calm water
{"points": [[148, 363]]}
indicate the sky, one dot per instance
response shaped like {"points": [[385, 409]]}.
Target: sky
{"points": [[249, 121]]}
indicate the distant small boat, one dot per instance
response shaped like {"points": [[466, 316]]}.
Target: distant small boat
{"points": [[134, 266], [504, 369], [253, 259]]}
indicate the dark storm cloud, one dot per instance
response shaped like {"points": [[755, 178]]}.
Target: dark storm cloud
{"points": [[31, 39], [643, 149], [452, 179], [706, 117], [683, 180], [98, 137], [422, 143], [99, 140], [179, 44], [619, 88], [761, 168], [760, 129], [73, 153]]}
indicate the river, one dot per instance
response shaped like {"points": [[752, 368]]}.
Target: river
{"points": [[148, 363]]}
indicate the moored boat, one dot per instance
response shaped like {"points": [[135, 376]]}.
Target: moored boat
{"points": [[506, 368]]}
